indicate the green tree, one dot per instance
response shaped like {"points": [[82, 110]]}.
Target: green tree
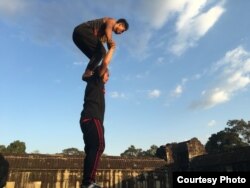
{"points": [[2, 149], [150, 152], [72, 151], [131, 152], [240, 127], [223, 141], [36, 152], [237, 134], [16, 147]]}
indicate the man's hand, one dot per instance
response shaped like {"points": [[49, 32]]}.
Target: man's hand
{"points": [[112, 45], [109, 43]]}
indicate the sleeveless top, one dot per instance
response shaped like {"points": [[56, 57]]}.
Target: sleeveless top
{"points": [[98, 27]]}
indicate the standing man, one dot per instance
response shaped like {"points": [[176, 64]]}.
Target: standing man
{"points": [[90, 36], [92, 117]]}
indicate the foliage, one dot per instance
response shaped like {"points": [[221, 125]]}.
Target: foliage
{"points": [[240, 127], [131, 152], [161, 152], [137, 152], [17, 147], [234, 136], [36, 152], [150, 152], [72, 151], [2, 149]]}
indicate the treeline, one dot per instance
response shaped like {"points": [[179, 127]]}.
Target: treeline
{"points": [[236, 134], [17, 147]]}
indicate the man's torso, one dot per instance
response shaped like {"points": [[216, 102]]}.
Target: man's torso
{"points": [[94, 100]]}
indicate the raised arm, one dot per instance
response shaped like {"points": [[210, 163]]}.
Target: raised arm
{"points": [[107, 59]]}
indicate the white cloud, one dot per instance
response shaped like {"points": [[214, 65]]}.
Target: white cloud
{"points": [[53, 22], [116, 94], [232, 75], [190, 10], [205, 21], [78, 63], [157, 13], [154, 93], [179, 88], [212, 123], [177, 91], [43, 21], [193, 23], [12, 7]]}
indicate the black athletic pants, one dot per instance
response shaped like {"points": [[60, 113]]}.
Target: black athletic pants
{"points": [[89, 44], [93, 136]]}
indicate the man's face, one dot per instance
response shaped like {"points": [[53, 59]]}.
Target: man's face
{"points": [[119, 28]]}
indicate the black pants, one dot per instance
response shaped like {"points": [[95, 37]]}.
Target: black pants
{"points": [[89, 44], [93, 136]]}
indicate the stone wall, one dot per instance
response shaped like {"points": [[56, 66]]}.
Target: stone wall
{"points": [[234, 160], [180, 154], [57, 171], [191, 156], [54, 171]]}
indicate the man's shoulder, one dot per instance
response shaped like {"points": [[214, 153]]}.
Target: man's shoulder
{"points": [[109, 20]]}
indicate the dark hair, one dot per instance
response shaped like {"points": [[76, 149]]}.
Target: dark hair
{"points": [[123, 21]]}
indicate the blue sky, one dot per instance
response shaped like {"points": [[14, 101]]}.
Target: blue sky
{"points": [[182, 70]]}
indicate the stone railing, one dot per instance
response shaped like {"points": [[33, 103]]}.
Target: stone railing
{"points": [[46, 171], [57, 171]]}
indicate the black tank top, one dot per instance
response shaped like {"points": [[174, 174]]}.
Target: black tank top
{"points": [[96, 24], [98, 27]]}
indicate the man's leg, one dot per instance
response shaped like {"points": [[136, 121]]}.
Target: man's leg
{"points": [[96, 58], [94, 146], [91, 46]]}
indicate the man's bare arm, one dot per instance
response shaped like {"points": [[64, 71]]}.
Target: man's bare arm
{"points": [[107, 59], [110, 22]]}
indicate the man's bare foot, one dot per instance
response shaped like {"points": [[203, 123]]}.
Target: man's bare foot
{"points": [[88, 73]]}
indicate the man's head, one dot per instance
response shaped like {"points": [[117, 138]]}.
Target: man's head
{"points": [[120, 26], [105, 76]]}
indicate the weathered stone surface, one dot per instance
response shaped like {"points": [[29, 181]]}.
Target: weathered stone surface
{"points": [[235, 160], [179, 154], [57, 171], [66, 171]]}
